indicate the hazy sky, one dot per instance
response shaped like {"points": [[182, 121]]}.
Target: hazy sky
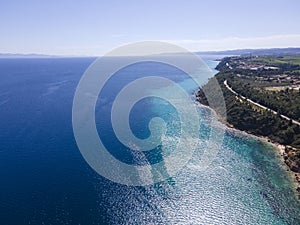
{"points": [[94, 27]]}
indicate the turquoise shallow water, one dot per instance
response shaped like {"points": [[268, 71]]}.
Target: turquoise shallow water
{"points": [[44, 178], [246, 183]]}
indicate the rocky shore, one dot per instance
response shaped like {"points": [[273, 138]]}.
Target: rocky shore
{"points": [[287, 153]]}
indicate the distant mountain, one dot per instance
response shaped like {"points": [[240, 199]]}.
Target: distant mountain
{"points": [[270, 51], [10, 55], [267, 51]]}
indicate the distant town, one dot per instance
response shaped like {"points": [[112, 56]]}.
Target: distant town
{"points": [[268, 72]]}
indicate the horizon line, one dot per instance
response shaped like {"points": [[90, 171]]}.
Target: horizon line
{"points": [[42, 55]]}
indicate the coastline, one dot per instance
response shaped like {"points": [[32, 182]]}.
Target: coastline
{"points": [[278, 148]]}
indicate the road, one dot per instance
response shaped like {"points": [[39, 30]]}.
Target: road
{"points": [[259, 105]]}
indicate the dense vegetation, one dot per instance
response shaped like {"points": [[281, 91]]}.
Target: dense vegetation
{"points": [[286, 102], [248, 117], [244, 116]]}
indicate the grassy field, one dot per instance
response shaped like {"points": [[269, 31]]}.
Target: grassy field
{"points": [[291, 59]]}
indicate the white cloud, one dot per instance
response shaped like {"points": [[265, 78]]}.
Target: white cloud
{"points": [[276, 41]]}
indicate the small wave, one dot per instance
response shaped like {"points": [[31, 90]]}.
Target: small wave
{"points": [[4, 102], [53, 87]]}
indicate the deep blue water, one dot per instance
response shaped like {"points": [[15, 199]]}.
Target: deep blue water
{"points": [[45, 180]]}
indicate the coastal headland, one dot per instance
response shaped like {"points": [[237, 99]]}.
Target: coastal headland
{"points": [[262, 97]]}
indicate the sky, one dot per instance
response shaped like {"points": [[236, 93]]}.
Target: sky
{"points": [[94, 27]]}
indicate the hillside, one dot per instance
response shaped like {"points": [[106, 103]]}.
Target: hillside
{"points": [[270, 81]]}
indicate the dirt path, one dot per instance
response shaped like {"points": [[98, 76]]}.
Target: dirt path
{"points": [[259, 105]]}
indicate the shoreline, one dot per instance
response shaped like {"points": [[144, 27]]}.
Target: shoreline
{"points": [[279, 148]]}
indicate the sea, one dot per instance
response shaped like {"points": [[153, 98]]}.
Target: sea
{"points": [[45, 179]]}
